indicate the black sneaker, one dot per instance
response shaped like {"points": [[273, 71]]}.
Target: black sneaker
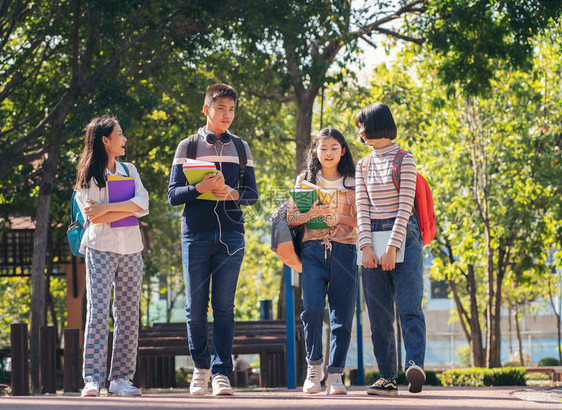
{"points": [[416, 377], [383, 387]]}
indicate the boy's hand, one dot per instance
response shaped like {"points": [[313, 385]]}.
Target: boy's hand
{"points": [[388, 259], [226, 193], [210, 182], [94, 209], [369, 258]]}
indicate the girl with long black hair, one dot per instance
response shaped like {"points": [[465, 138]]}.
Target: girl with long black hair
{"points": [[328, 258], [113, 257]]}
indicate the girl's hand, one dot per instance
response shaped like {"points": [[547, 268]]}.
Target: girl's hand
{"points": [[388, 259], [94, 209], [369, 258], [333, 219], [319, 210]]}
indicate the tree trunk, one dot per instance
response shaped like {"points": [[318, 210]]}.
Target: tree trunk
{"points": [[518, 330], [559, 341], [556, 311], [480, 190], [304, 126], [37, 317], [470, 322], [509, 333], [490, 316], [494, 348], [476, 347]]}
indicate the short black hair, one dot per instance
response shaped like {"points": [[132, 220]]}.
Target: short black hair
{"points": [[377, 120], [216, 91]]}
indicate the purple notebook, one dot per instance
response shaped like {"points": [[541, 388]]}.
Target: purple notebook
{"points": [[118, 191]]}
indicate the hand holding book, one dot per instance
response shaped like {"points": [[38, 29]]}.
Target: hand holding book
{"points": [[210, 182], [226, 193], [309, 203], [205, 177]]}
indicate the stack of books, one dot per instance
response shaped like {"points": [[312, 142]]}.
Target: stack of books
{"points": [[121, 189], [195, 170]]}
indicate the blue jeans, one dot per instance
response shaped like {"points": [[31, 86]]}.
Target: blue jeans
{"points": [[405, 283], [205, 257], [335, 275]]}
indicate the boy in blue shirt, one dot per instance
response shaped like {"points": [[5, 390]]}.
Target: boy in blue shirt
{"points": [[213, 236]]}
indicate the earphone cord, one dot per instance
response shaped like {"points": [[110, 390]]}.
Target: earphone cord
{"points": [[217, 215]]}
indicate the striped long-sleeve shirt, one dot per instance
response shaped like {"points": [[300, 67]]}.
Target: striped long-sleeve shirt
{"points": [[376, 196]]}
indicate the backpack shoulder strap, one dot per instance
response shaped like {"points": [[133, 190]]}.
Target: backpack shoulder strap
{"points": [[125, 168], [75, 213], [396, 167], [73, 206], [242, 157], [191, 151]]}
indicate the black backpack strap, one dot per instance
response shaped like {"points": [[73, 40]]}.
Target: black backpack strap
{"points": [[242, 158], [191, 151]]}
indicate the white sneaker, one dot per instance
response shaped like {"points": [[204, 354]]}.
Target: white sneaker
{"points": [[334, 384], [91, 389], [416, 377], [123, 387], [199, 385], [314, 375], [221, 386]]}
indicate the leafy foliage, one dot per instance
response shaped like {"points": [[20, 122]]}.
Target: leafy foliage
{"points": [[15, 304], [548, 361], [471, 36], [479, 377]]}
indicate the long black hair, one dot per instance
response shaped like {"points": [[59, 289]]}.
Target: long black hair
{"points": [[93, 160], [346, 166]]}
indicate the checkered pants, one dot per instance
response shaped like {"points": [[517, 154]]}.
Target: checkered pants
{"points": [[125, 273]]}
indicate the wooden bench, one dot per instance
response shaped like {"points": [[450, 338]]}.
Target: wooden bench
{"points": [[160, 343], [555, 372]]}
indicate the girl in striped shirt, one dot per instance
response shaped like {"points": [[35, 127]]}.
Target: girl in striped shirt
{"points": [[380, 207]]}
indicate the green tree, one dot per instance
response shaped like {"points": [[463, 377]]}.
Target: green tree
{"points": [[491, 162]]}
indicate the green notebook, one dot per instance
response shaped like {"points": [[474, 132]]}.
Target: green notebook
{"points": [[195, 170], [304, 198]]}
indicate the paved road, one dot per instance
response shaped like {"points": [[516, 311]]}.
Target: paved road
{"points": [[430, 398]]}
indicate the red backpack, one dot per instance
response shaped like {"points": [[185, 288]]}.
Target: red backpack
{"points": [[423, 203]]}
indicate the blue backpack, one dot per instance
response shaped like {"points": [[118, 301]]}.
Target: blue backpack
{"points": [[75, 230]]}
